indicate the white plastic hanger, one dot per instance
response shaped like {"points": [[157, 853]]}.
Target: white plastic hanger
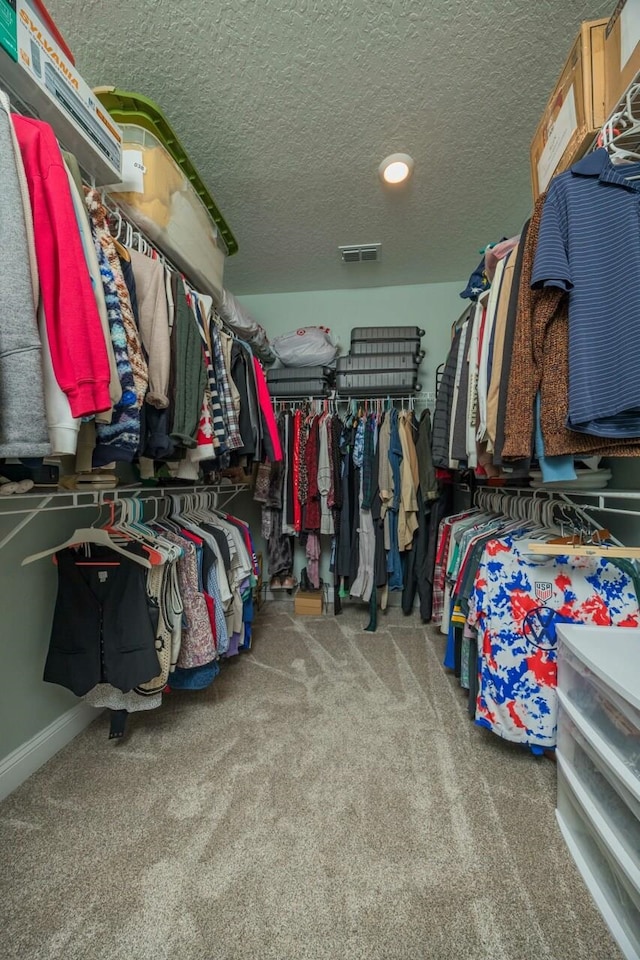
{"points": [[88, 535]]}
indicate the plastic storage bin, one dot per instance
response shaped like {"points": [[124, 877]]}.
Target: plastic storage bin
{"points": [[595, 667], [615, 895], [617, 806], [157, 196]]}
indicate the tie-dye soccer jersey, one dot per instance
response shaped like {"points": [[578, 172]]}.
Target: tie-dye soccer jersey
{"points": [[517, 601]]}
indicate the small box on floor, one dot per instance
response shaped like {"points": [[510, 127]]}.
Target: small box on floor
{"points": [[308, 603]]}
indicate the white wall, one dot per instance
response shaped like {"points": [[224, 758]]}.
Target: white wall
{"points": [[433, 307]]}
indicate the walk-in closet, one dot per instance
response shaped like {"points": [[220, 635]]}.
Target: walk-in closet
{"points": [[320, 480]]}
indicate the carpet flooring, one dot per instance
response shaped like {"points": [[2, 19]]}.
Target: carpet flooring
{"points": [[326, 798]]}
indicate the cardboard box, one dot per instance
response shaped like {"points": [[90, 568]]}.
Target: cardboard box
{"points": [[621, 52], [308, 604], [575, 111], [41, 80]]}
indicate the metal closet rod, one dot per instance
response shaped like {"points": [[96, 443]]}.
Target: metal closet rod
{"points": [[96, 498], [371, 401], [571, 497]]}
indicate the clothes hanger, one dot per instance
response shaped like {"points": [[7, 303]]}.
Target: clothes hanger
{"points": [[132, 522], [97, 535], [122, 251], [119, 529], [583, 550]]}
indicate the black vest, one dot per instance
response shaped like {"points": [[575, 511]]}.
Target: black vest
{"points": [[102, 629]]}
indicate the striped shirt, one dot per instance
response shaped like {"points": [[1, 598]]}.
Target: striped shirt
{"points": [[589, 245]]}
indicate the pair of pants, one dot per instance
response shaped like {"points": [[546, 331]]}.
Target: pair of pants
{"points": [[394, 565], [415, 579]]}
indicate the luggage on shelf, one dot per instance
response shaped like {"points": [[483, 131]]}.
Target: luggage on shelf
{"points": [[382, 383], [378, 363], [411, 335], [300, 381], [300, 388], [364, 348], [286, 374]]}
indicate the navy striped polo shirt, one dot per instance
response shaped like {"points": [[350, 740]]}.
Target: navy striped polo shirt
{"points": [[589, 245]]}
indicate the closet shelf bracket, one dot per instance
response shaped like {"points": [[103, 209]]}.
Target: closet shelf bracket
{"points": [[26, 518]]}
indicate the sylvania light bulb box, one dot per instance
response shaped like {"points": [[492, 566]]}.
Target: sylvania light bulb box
{"points": [[39, 75]]}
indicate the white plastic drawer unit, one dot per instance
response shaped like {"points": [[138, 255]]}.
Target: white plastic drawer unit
{"points": [[599, 677], [616, 806], [615, 896]]}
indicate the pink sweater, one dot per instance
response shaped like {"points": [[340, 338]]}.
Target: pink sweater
{"points": [[264, 399], [76, 338]]}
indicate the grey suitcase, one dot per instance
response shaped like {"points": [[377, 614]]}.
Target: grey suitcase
{"points": [[378, 363], [286, 374], [300, 388], [412, 335], [393, 383], [364, 348]]}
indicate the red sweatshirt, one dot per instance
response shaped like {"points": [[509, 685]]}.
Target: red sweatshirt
{"points": [[74, 330]]}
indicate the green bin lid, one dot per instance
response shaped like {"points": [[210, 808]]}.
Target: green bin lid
{"points": [[127, 107]]}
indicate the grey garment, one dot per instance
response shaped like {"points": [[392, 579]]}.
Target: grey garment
{"points": [[279, 551], [190, 374], [73, 167], [254, 406], [465, 339], [444, 402], [426, 469], [509, 333], [23, 422], [459, 426], [365, 578]]}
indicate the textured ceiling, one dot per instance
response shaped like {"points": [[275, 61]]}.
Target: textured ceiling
{"points": [[288, 106]]}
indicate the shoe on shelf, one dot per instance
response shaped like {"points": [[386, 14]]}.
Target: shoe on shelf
{"points": [[289, 583], [275, 583]]}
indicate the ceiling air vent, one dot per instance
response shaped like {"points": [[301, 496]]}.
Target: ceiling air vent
{"points": [[360, 253]]}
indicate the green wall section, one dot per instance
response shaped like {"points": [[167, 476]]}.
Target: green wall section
{"points": [[27, 597], [433, 307]]}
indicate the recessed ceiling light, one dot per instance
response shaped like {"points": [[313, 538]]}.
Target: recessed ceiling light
{"points": [[396, 168]]}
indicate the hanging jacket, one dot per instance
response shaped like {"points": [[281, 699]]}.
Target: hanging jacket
{"points": [[102, 629], [190, 373], [76, 339], [270, 431], [23, 427], [154, 324]]}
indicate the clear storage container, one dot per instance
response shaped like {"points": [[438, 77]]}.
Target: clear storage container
{"points": [[615, 896], [157, 196], [617, 806], [599, 677]]}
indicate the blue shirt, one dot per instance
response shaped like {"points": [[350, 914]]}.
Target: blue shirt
{"points": [[589, 245]]}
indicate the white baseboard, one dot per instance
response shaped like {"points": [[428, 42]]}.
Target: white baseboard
{"points": [[30, 756]]}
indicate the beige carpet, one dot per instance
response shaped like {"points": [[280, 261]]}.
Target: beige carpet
{"points": [[326, 798]]}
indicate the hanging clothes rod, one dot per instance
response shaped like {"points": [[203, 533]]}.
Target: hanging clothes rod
{"points": [[79, 499], [528, 495], [369, 403]]}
